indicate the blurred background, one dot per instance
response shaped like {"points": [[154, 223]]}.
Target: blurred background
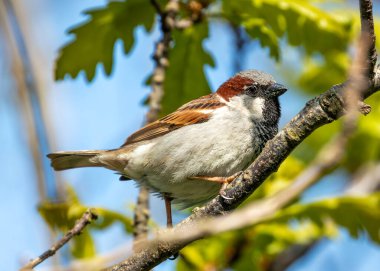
{"points": [[52, 99]]}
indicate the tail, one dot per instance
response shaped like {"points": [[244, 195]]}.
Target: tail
{"points": [[74, 159]]}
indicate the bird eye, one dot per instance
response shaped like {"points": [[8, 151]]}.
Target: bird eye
{"points": [[251, 90]]}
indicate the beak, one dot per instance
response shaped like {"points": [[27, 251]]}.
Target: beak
{"points": [[276, 90]]}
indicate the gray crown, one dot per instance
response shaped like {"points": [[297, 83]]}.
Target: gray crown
{"points": [[259, 77]]}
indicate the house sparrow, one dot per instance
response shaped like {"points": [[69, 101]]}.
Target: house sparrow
{"points": [[191, 153]]}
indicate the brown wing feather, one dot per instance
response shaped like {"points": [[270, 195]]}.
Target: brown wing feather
{"points": [[184, 116]]}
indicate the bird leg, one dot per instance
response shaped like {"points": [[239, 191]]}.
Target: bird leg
{"points": [[169, 220], [168, 207], [225, 181]]}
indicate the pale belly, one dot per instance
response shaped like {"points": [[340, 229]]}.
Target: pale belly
{"points": [[167, 164]]}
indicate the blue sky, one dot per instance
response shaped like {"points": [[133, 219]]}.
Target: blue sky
{"points": [[101, 115]]}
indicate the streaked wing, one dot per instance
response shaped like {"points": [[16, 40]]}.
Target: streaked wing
{"points": [[196, 111]]}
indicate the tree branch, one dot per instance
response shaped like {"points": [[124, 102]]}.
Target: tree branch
{"points": [[258, 212], [327, 159], [141, 217], [161, 59], [27, 85], [319, 111], [367, 28], [161, 52], [86, 219]]}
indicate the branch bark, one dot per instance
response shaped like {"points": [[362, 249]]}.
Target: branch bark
{"points": [[367, 28], [319, 111], [86, 219]]}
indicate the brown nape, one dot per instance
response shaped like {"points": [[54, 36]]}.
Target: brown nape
{"points": [[233, 86]]}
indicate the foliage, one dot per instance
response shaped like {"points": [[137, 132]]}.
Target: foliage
{"points": [[356, 214], [62, 216], [95, 39], [300, 22], [253, 248], [185, 78]]}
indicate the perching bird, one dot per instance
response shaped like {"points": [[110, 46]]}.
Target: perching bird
{"points": [[191, 153]]}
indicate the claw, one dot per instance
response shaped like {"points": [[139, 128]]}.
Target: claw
{"points": [[225, 197], [222, 191]]}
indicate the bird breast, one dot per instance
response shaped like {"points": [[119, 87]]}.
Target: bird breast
{"points": [[222, 146]]}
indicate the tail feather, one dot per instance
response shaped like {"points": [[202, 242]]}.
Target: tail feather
{"points": [[74, 159]]}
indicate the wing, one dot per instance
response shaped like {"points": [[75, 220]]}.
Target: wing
{"points": [[196, 111]]}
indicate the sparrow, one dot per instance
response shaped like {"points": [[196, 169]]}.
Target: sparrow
{"points": [[190, 155]]}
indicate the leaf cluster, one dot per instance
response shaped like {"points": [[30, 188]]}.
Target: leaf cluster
{"points": [[61, 216]]}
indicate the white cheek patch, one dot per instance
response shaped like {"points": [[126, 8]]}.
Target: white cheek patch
{"points": [[257, 107], [248, 106]]}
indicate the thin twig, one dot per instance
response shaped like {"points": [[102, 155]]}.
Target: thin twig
{"points": [[157, 7], [319, 111], [365, 180], [141, 217], [29, 87], [161, 52], [23, 96], [367, 28], [80, 224], [239, 44]]}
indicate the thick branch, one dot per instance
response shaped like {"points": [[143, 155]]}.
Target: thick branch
{"points": [[319, 111], [259, 211], [86, 219]]}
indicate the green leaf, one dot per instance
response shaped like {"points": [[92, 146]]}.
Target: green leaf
{"points": [[185, 78], [258, 29], [285, 175], [364, 146], [248, 249], [83, 246], [273, 238], [63, 215], [356, 214], [208, 254], [94, 40], [108, 217], [333, 69], [300, 22], [252, 248]]}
